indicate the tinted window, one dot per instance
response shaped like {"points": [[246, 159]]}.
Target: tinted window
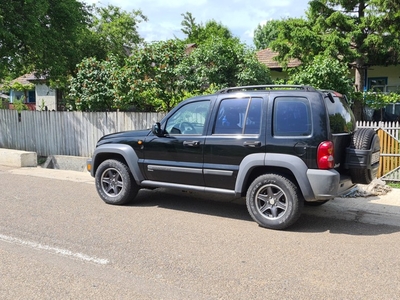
{"points": [[341, 117], [253, 120], [239, 116], [292, 117]]}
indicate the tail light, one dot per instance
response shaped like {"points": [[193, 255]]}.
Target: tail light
{"points": [[325, 156]]}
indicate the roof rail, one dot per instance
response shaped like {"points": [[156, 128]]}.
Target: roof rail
{"points": [[265, 87]]}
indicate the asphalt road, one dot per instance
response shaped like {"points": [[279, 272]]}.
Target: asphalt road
{"points": [[58, 240]]}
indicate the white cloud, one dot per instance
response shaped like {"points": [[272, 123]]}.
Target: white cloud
{"points": [[241, 16]]}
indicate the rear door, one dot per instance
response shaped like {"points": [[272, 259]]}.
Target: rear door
{"points": [[236, 133], [342, 125]]}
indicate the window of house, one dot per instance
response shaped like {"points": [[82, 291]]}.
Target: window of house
{"points": [[31, 97], [377, 83], [239, 116], [291, 117]]}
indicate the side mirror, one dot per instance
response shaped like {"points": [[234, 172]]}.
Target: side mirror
{"points": [[157, 130]]}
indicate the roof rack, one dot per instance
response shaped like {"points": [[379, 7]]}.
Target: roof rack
{"points": [[265, 87]]}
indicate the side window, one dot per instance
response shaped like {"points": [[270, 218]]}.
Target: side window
{"points": [[292, 117], [189, 119], [239, 116], [253, 120]]}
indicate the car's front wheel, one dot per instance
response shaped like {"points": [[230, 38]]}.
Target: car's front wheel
{"points": [[115, 183], [273, 202]]}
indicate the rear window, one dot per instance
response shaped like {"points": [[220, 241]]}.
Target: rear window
{"points": [[341, 117], [292, 116]]}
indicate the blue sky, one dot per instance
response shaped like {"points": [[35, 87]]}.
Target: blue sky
{"points": [[240, 16]]}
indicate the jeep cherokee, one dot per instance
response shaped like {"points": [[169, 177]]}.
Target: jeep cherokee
{"points": [[279, 146]]}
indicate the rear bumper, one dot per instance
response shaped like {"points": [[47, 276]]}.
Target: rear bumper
{"points": [[324, 183]]}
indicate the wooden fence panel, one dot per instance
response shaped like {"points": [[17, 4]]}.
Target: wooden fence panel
{"points": [[66, 133], [388, 133]]}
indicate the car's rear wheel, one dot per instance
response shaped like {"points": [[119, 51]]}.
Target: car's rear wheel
{"points": [[115, 183], [273, 202], [366, 139]]}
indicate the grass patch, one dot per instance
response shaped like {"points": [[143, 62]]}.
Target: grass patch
{"points": [[393, 184], [41, 159]]}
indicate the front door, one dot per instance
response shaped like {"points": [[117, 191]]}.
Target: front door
{"points": [[177, 157]]}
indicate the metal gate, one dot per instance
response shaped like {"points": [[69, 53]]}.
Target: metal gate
{"points": [[388, 133]]}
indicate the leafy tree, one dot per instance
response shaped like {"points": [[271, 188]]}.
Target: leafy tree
{"points": [[146, 82], [199, 33], [221, 62], [265, 34], [116, 30], [149, 77], [19, 104], [378, 100], [323, 73], [93, 87], [190, 27], [40, 35], [251, 71], [358, 33]]}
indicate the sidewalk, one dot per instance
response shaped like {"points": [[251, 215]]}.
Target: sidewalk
{"points": [[384, 210], [51, 173]]}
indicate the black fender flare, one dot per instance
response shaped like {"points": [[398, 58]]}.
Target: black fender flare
{"points": [[125, 151], [290, 162]]}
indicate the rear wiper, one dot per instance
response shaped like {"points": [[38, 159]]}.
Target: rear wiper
{"points": [[329, 95]]}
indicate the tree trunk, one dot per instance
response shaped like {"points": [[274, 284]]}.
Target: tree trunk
{"points": [[359, 87]]}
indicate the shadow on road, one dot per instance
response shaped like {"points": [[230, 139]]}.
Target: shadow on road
{"points": [[228, 207], [315, 224], [202, 203]]}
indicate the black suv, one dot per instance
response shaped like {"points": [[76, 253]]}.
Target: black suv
{"points": [[278, 146]]}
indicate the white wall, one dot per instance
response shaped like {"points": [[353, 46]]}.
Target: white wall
{"points": [[45, 95], [391, 72]]}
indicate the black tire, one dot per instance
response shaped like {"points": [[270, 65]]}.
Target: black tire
{"points": [[273, 201], [115, 183], [365, 139]]}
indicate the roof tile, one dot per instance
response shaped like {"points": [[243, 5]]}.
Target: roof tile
{"points": [[266, 57]]}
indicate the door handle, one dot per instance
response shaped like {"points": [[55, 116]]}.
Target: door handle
{"points": [[191, 143], [255, 144]]}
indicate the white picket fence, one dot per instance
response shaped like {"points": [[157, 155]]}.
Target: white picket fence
{"points": [[390, 127], [66, 133]]}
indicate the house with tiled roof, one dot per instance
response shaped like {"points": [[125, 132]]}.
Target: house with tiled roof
{"points": [[383, 78], [267, 56], [37, 95]]}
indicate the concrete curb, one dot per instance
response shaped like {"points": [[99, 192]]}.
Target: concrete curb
{"points": [[65, 162], [17, 158]]}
